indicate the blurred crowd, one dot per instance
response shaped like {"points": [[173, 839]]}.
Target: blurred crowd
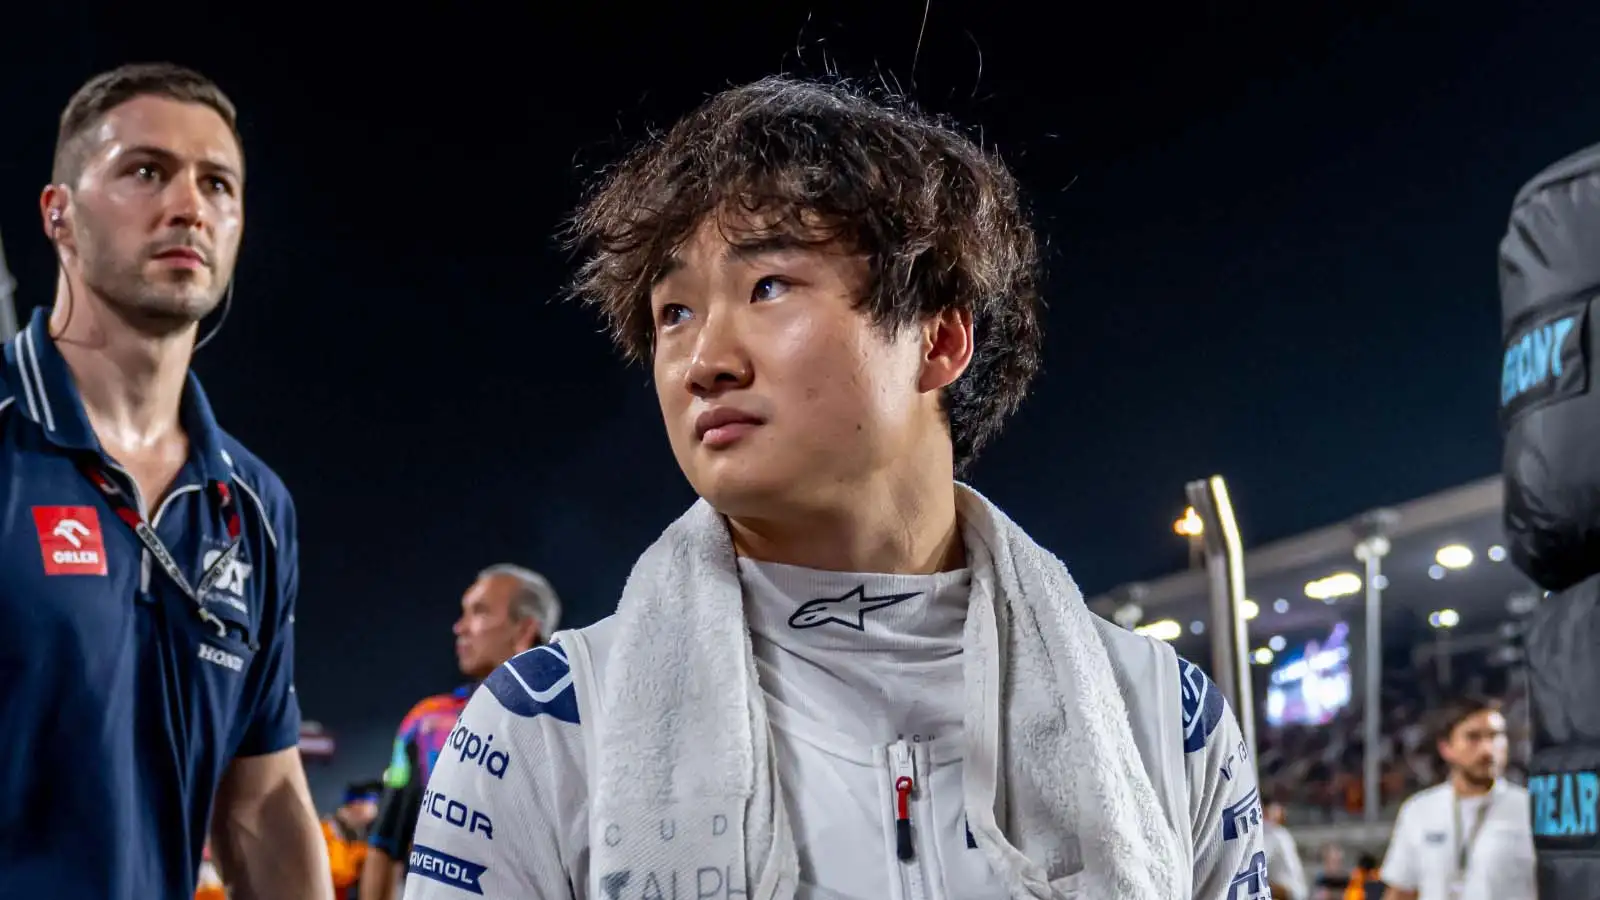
{"points": [[1317, 770]]}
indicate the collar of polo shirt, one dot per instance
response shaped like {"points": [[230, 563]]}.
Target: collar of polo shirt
{"points": [[46, 394]]}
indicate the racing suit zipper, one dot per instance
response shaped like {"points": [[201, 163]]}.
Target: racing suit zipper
{"points": [[903, 771]]}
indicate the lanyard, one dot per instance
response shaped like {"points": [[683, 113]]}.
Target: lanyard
{"points": [[124, 508], [1464, 842]]}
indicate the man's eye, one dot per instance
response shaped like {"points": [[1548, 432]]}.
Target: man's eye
{"points": [[769, 288], [147, 173], [219, 185], [673, 313]]}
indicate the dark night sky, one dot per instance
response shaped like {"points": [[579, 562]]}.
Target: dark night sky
{"points": [[1271, 233]]}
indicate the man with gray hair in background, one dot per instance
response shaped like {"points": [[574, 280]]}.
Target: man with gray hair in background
{"points": [[507, 610]]}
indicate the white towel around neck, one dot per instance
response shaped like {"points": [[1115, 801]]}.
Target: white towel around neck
{"points": [[683, 793]]}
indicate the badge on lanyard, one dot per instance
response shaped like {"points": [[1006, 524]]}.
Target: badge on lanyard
{"points": [[221, 496], [1464, 841]]}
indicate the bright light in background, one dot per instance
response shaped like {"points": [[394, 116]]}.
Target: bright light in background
{"points": [[1262, 656], [1454, 556], [1436, 572], [1277, 643], [1249, 609], [1444, 618], [1342, 584], [1280, 606], [1497, 553], [1381, 582], [1164, 630], [1197, 627], [1190, 525]]}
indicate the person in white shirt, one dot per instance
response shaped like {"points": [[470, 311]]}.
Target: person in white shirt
{"points": [[841, 674], [1469, 838], [1285, 870]]}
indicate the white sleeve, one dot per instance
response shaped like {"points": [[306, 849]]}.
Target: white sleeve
{"points": [[505, 813], [1224, 800], [1401, 869]]}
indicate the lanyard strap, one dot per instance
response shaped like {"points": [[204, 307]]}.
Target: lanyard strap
{"points": [[1464, 846], [124, 508]]}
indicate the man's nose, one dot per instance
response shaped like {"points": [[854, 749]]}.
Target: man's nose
{"points": [[186, 204], [719, 361]]}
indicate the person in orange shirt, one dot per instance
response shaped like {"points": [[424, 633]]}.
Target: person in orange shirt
{"points": [[346, 834]]}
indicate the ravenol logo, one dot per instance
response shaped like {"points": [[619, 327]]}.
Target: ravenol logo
{"points": [[446, 869]]}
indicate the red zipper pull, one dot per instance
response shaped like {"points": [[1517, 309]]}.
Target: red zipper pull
{"points": [[902, 818]]}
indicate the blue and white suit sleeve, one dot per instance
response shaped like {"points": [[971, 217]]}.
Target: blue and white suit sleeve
{"points": [[1230, 860], [505, 811]]}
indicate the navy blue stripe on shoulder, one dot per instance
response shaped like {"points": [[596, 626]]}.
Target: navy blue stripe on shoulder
{"points": [[1203, 706], [535, 683]]}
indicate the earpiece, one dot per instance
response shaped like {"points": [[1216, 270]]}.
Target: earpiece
{"points": [[55, 217]]}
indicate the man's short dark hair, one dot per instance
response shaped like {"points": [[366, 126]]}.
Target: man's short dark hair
{"points": [[1460, 710], [938, 217], [109, 90]]}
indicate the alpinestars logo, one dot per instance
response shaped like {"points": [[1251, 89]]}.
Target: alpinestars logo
{"points": [[850, 610]]}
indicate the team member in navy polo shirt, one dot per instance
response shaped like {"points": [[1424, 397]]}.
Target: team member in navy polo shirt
{"points": [[148, 567]]}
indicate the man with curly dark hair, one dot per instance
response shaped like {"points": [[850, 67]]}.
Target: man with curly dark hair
{"points": [[842, 673]]}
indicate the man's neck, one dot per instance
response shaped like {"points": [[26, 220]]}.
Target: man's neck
{"points": [[131, 382], [897, 528], [1467, 787]]}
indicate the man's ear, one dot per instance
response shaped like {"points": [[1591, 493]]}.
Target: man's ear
{"points": [[946, 348], [55, 212]]}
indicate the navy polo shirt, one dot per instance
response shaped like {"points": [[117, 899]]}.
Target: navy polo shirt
{"points": [[120, 708]]}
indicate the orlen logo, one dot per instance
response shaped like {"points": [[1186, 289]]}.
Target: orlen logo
{"points": [[221, 657], [471, 748], [70, 540]]}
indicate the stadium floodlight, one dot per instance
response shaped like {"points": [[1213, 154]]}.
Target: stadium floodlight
{"points": [[1262, 656], [1454, 556], [1277, 643], [1497, 553], [1164, 630], [1249, 609], [1436, 572], [1444, 618], [1339, 584], [1197, 627], [1190, 525], [1280, 606]]}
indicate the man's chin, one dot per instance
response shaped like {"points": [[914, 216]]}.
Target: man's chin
{"points": [[743, 492]]}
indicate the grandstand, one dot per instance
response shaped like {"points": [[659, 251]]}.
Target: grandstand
{"points": [[1450, 605]]}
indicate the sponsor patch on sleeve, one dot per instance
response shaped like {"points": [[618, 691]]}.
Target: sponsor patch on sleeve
{"points": [[536, 683], [1202, 706], [463, 875]]}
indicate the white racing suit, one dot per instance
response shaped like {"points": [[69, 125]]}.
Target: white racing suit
{"points": [[506, 811]]}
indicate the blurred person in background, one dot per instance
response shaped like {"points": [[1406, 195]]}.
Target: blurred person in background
{"points": [[150, 567], [346, 834], [1333, 874], [1365, 882], [1285, 872], [507, 610], [1470, 838]]}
